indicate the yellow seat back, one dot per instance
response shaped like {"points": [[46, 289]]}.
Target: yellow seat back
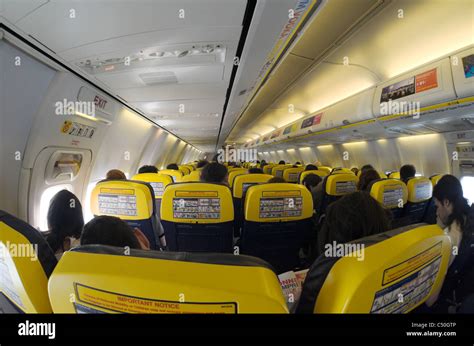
{"points": [[162, 283], [435, 178], [340, 184], [157, 181], [243, 182], [26, 262], [390, 193], [325, 169], [341, 171], [176, 175], [267, 169], [192, 177], [185, 170], [277, 171], [291, 174], [234, 173], [394, 175], [420, 189], [379, 275]]}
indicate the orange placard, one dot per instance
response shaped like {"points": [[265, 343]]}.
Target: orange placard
{"points": [[427, 80]]}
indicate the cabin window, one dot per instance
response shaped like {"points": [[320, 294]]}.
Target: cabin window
{"points": [[467, 183], [46, 197]]}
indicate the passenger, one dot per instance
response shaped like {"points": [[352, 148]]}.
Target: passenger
{"points": [[366, 178], [311, 167], [277, 180], [202, 163], [147, 169], [115, 174], [355, 170], [255, 170], [353, 216], [407, 172], [214, 172], [311, 181], [65, 222], [281, 162], [297, 163], [112, 231], [457, 218], [366, 168], [173, 166]]}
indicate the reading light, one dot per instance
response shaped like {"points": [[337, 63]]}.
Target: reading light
{"points": [[100, 120]]}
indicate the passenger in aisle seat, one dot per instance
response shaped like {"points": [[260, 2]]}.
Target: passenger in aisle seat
{"points": [[354, 216], [255, 170], [214, 172], [366, 178], [276, 180], [457, 218], [355, 170], [366, 168], [65, 222], [202, 163], [147, 169], [173, 166], [115, 174], [112, 231], [281, 162], [407, 172], [311, 167], [311, 181]]}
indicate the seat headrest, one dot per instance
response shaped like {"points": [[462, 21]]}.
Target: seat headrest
{"points": [[394, 175], [157, 181], [392, 272], [234, 174], [325, 169], [278, 202], [163, 282], [26, 262], [340, 184], [243, 182], [125, 199], [278, 169], [183, 169], [176, 175], [420, 189], [192, 177], [291, 174], [390, 193], [435, 178], [197, 203], [341, 171]]}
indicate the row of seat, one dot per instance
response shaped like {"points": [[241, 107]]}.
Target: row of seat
{"points": [[409, 263]]}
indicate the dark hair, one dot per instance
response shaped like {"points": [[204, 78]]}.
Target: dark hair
{"points": [[407, 172], [353, 216], [115, 174], [173, 166], [214, 172], [366, 177], [109, 230], [449, 188], [147, 169], [277, 180], [297, 163], [366, 168], [65, 219], [355, 170], [281, 162], [202, 163], [255, 170], [311, 180], [311, 167]]}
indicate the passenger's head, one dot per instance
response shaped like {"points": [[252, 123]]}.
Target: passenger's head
{"points": [[366, 168], [214, 172], [366, 177], [202, 163], [255, 170], [310, 168], [353, 216], [297, 163], [173, 166], [115, 174], [65, 219], [112, 231], [449, 200], [281, 162], [147, 169], [311, 181], [355, 170], [407, 172], [277, 180]]}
